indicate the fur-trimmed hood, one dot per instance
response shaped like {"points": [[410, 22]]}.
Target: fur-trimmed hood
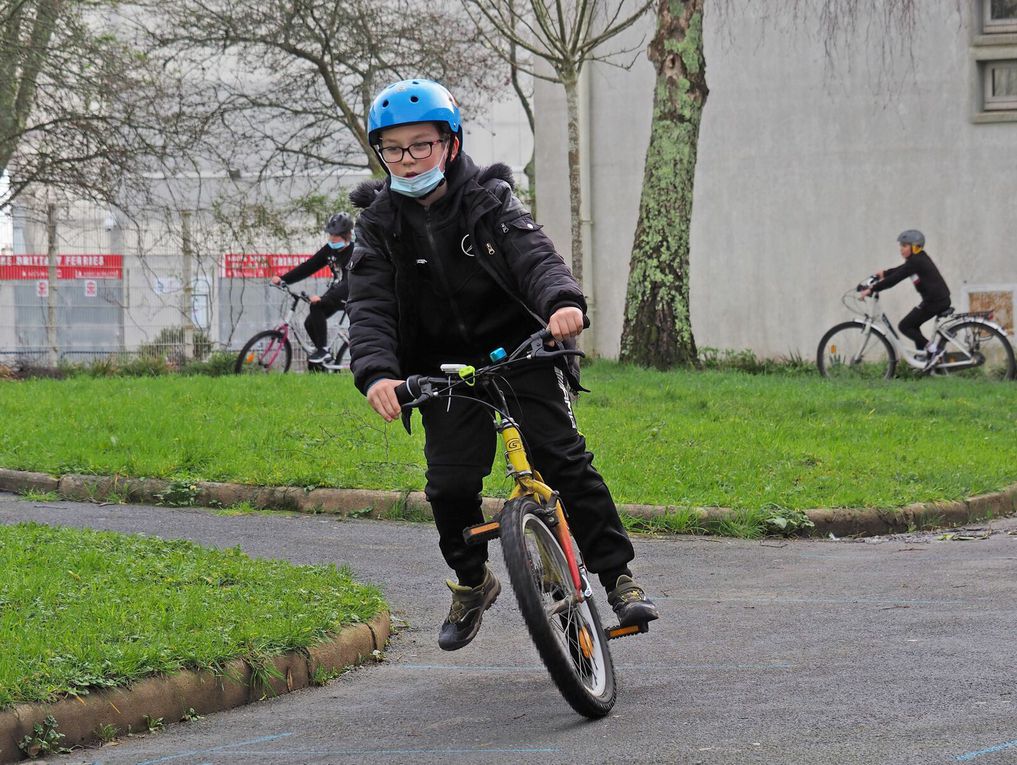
{"points": [[364, 194]]}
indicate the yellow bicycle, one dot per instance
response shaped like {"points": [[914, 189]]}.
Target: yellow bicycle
{"points": [[544, 564]]}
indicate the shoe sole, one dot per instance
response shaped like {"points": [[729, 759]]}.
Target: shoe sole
{"points": [[642, 619], [480, 619]]}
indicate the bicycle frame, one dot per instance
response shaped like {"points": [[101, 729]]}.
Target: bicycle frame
{"points": [[529, 483], [876, 321], [342, 334]]}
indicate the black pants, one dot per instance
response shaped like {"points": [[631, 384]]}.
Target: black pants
{"points": [[316, 322], [910, 324], [460, 447]]}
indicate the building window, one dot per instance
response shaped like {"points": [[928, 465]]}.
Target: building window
{"points": [[999, 16], [1000, 85]]}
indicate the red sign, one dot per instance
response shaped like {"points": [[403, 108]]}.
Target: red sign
{"points": [[68, 267], [238, 265]]}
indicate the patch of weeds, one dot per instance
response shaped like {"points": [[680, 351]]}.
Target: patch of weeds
{"points": [[263, 672], [181, 492], [680, 520], [324, 675], [402, 510], [363, 512], [44, 739], [190, 715], [114, 497], [743, 524], [241, 508], [33, 495], [107, 732], [153, 724], [728, 360], [786, 521]]}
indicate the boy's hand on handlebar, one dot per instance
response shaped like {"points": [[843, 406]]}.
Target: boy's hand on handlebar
{"points": [[382, 398], [276, 280], [866, 292], [565, 323], [315, 299]]}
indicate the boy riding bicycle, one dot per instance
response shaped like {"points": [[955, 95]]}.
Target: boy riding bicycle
{"points": [[336, 255], [930, 285], [449, 266]]}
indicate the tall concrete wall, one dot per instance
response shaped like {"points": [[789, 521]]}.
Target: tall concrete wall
{"points": [[810, 164]]}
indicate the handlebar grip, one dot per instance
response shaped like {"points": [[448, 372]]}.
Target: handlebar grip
{"points": [[545, 334], [405, 391]]}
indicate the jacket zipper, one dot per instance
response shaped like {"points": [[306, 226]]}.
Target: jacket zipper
{"points": [[440, 270]]}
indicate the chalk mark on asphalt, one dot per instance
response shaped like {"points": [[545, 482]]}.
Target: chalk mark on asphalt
{"points": [[990, 750]]}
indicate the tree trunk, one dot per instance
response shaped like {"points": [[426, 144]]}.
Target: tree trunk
{"points": [[571, 85], [658, 330]]}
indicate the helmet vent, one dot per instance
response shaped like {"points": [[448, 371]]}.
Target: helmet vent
{"points": [[384, 103], [414, 99]]}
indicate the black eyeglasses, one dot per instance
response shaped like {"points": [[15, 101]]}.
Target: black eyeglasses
{"points": [[418, 150]]}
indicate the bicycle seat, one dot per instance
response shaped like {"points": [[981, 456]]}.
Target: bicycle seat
{"points": [[944, 314]]}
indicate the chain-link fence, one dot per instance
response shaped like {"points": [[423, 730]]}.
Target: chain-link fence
{"points": [[80, 286]]}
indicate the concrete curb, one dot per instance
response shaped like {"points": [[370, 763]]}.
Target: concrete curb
{"points": [[171, 696], [841, 522]]}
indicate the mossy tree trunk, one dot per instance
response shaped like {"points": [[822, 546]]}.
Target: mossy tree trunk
{"points": [[657, 330]]}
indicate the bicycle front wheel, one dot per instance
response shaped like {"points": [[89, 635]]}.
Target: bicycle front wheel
{"points": [[267, 351], [854, 350], [568, 635], [976, 350]]}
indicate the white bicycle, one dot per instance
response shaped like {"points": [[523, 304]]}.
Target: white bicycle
{"points": [[972, 344]]}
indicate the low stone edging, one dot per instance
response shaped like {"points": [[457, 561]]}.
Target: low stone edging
{"points": [[171, 697], [841, 522]]}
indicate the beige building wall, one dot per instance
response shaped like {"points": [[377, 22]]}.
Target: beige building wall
{"points": [[810, 164]]}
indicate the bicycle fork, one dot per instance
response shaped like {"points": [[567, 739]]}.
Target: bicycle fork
{"points": [[529, 484]]}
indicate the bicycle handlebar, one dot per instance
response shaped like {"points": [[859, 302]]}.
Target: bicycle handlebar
{"points": [[871, 281], [417, 389], [286, 288]]}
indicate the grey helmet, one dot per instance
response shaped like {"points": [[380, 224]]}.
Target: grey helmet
{"points": [[338, 224], [913, 237]]}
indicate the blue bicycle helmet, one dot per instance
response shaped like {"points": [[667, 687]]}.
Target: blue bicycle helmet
{"points": [[410, 101]]}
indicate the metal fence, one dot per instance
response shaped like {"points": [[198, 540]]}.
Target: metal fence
{"points": [[76, 289]]}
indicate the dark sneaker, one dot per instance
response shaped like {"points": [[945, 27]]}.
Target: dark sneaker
{"points": [[333, 364], [468, 605], [319, 355], [630, 603]]}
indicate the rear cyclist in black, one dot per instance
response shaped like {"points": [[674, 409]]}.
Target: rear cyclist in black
{"points": [[336, 255], [929, 283]]}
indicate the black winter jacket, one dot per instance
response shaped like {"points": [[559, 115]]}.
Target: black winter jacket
{"points": [[336, 260], [923, 272], [498, 285]]}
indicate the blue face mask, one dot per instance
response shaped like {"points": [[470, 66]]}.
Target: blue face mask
{"points": [[419, 185], [337, 245]]}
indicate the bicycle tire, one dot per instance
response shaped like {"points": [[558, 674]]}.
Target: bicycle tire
{"points": [[250, 358], [342, 356], [848, 334], [980, 335], [572, 644]]}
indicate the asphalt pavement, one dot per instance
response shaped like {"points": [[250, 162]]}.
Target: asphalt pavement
{"points": [[888, 650]]}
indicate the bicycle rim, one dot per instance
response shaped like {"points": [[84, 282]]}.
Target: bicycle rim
{"points": [[265, 352], [975, 350], [568, 635], [854, 351]]}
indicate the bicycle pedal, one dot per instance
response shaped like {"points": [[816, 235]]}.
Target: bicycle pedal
{"points": [[613, 633], [482, 532]]}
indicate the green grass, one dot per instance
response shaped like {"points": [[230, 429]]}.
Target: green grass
{"points": [[82, 609], [679, 438]]}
